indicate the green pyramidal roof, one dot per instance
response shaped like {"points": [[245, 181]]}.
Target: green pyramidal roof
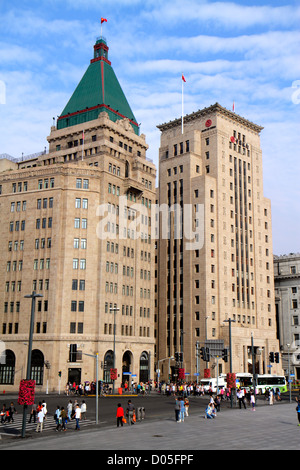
{"points": [[99, 90]]}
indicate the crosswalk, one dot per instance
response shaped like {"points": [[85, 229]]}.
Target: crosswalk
{"points": [[49, 425]]}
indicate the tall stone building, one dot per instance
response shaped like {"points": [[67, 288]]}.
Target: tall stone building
{"points": [[75, 229], [287, 301], [214, 258]]}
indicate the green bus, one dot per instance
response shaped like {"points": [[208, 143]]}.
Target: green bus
{"points": [[266, 381]]}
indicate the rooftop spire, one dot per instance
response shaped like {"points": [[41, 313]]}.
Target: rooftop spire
{"points": [[99, 90]]}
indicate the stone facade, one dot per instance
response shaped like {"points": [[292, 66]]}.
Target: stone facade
{"points": [[287, 300], [213, 171], [71, 227]]}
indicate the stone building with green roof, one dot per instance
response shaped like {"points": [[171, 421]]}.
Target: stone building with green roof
{"points": [[81, 243]]}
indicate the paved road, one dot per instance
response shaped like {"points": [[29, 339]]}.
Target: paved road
{"points": [[268, 428]]}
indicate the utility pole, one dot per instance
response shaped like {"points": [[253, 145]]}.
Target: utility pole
{"points": [[28, 374]]}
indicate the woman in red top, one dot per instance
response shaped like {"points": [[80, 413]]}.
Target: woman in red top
{"points": [[120, 415]]}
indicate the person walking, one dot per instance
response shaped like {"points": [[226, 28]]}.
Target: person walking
{"points": [[33, 413], [57, 419], [129, 412], [120, 415], [252, 400], [77, 417], [298, 411], [70, 408], [241, 398], [177, 410], [182, 409], [44, 405], [40, 418], [3, 414], [83, 410], [64, 418], [11, 411], [186, 406]]}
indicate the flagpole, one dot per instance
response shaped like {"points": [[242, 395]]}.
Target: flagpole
{"points": [[182, 105]]}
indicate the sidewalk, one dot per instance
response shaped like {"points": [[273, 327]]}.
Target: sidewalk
{"points": [[268, 428]]}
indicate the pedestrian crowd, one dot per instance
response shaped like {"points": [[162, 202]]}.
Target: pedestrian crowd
{"points": [[62, 416], [7, 413]]}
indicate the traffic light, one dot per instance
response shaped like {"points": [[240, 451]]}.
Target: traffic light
{"points": [[202, 353], [277, 357], [271, 357], [225, 355], [181, 357], [207, 355], [176, 355]]}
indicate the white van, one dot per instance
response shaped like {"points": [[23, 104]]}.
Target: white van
{"points": [[212, 383]]}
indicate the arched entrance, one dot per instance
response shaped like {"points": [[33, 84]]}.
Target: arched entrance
{"points": [[126, 367], [144, 367], [37, 366]]}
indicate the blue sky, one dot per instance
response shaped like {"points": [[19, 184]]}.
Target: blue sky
{"points": [[242, 51]]}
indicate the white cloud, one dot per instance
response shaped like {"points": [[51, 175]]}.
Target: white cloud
{"points": [[230, 15]]}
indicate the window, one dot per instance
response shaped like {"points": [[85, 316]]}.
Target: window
{"points": [[82, 264], [75, 263]]}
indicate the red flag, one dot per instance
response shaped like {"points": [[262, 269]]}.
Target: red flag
{"points": [[82, 135], [233, 107], [183, 78], [103, 19]]}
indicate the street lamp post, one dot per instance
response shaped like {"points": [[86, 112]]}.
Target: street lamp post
{"points": [[253, 366], [229, 321], [32, 296], [289, 373], [114, 309]]}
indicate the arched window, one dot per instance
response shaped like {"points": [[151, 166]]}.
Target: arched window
{"points": [[37, 366], [7, 367], [108, 364], [144, 367], [126, 169]]}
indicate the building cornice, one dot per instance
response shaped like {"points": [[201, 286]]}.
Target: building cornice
{"points": [[216, 108]]}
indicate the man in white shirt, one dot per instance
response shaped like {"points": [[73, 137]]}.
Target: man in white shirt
{"points": [[77, 417], [40, 418]]}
